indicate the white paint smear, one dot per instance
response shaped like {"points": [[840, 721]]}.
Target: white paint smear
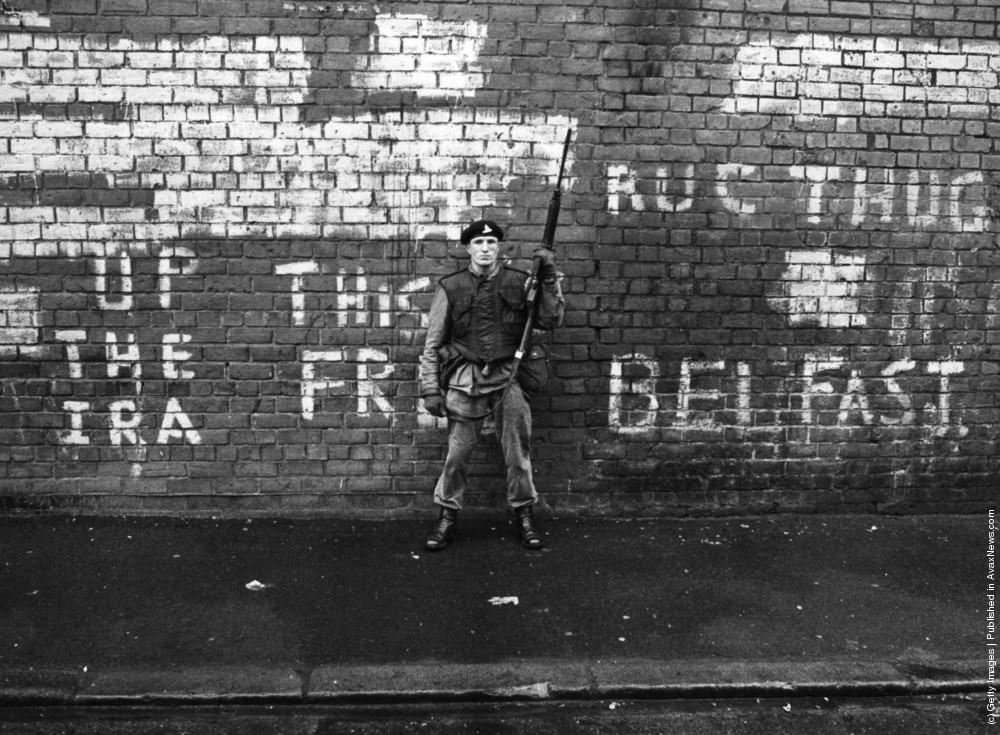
{"points": [[812, 74], [194, 104], [436, 59], [18, 316], [821, 288], [29, 18]]}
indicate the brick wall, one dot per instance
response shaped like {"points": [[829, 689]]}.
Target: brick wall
{"points": [[221, 222]]}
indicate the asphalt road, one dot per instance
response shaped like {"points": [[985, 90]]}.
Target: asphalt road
{"points": [[142, 592]]}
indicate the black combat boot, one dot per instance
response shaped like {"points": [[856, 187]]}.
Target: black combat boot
{"points": [[443, 531], [525, 526]]}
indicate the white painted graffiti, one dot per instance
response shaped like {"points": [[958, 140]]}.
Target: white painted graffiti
{"points": [[825, 390], [357, 305], [916, 199], [123, 359], [915, 87], [124, 418], [369, 395], [114, 291]]}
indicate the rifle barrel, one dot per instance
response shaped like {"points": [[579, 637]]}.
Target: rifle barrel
{"points": [[562, 163], [555, 203]]}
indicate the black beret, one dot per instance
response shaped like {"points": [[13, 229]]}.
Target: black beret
{"points": [[481, 227]]}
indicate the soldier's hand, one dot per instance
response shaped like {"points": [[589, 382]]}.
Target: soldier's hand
{"points": [[435, 406], [546, 256], [546, 264]]}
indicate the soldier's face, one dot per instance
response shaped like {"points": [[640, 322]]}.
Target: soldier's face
{"points": [[484, 251]]}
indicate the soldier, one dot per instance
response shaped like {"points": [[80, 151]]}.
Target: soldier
{"points": [[477, 318]]}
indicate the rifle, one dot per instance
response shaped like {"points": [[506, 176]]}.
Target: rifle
{"points": [[548, 237]]}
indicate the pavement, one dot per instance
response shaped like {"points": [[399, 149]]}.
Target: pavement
{"points": [[109, 610]]}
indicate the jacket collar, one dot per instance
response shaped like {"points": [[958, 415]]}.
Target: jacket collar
{"points": [[485, 275]]}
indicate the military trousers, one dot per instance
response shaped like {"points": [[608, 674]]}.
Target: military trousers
{"points": [[513, 422]]}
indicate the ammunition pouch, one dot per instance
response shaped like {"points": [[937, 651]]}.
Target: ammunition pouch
{"points": [[533, 372]]}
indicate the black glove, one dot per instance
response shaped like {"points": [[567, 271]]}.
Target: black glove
{"points": [[435, 405], [546, 264]]}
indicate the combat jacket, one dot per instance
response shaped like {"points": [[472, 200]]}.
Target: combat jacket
{"points": [[480, 321], [487, 315]]}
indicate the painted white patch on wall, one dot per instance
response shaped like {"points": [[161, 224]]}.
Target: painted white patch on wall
{"points": [[213, 126], [18, 316], [822, 289], [336, 175], [21, 18], [822, 74], [436, 59]]}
